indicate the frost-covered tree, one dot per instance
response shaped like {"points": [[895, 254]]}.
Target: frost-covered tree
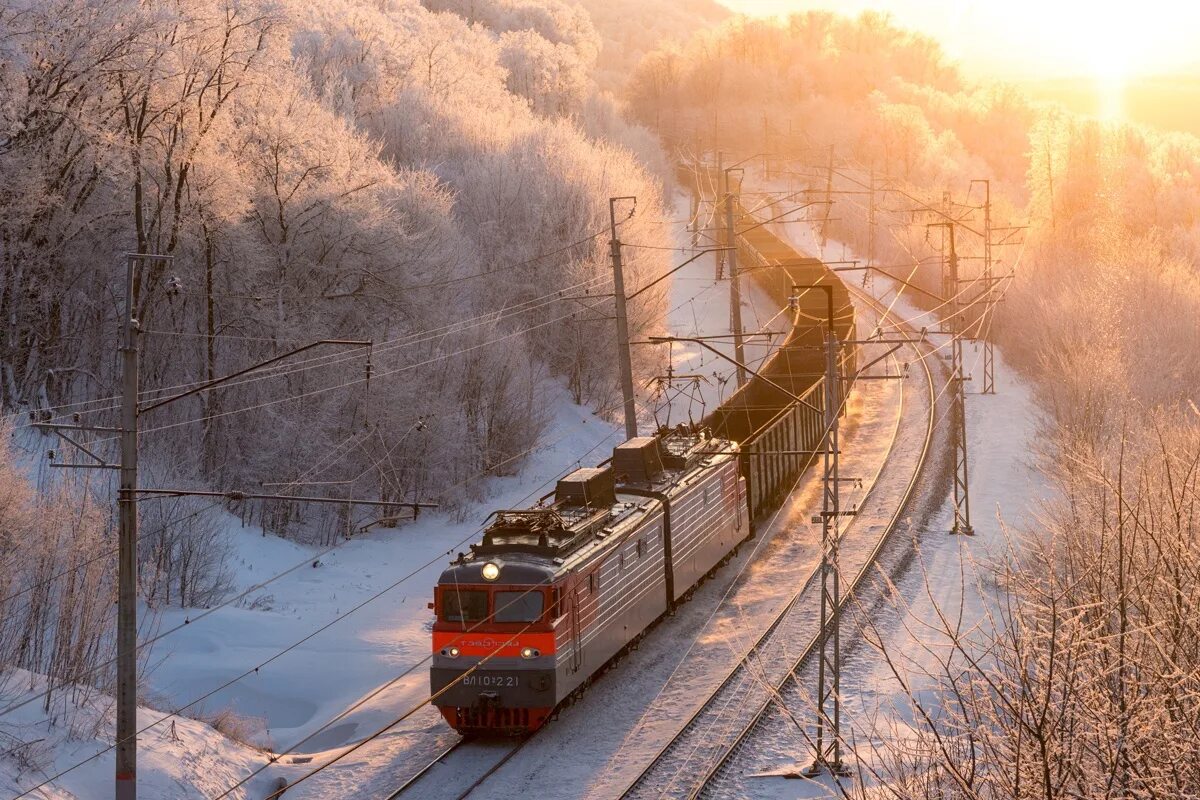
{"points": [[348, 170]]}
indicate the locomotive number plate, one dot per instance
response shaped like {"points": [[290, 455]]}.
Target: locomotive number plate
{"points": [[490, 681]]}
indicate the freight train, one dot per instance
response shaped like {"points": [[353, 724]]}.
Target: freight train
{"points": [[555, 591]]}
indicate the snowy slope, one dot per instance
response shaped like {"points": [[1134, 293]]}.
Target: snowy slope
{"points": [[181, 759]]}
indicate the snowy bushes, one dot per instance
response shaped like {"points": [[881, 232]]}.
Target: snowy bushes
{"points": [[57, 583], [1082, 678], [182, 554]]}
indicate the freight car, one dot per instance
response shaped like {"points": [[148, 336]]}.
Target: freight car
{"points": [[555, 591]]}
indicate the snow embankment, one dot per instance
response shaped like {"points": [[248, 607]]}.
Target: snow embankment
{"points": [[179, 759]]}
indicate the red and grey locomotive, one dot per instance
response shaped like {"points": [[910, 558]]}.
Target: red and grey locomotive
{"points": [[555, 591]]}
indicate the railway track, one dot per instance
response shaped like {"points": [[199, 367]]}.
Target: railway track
{"points": [[712, 735], [445, 768]]}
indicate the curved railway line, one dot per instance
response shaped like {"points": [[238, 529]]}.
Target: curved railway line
{"points": [[699, 750], [715, 732], [466, 757]]}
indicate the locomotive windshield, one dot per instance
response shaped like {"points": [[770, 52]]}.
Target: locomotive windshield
{"points": [[464, 605], [519, 606]]}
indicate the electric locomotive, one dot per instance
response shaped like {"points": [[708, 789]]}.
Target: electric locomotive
{"points": [[553, 592]]}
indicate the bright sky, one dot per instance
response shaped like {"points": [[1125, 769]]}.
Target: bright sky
{"points": [[1039, 38]]}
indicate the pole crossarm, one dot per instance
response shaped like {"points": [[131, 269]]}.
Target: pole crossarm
{"points": [[54, 426], [800, 207], [875, 361], [675, 269], [100, 462], [747, 158], [896, 278]]}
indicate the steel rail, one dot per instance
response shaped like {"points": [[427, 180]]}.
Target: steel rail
{"points": [[492, 769], [440, 759], [425, 769], [741, 665]]}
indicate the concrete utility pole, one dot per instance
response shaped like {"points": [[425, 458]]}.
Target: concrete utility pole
{"points": [[126, 766], [721, 243], [766, 146], [867, 274], [828, 199], [624, 359], [735, 291], [125, 773]]}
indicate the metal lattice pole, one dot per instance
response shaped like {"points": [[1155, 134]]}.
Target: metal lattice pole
{"points": [[962, 495], [958, 399], [828, 743]]}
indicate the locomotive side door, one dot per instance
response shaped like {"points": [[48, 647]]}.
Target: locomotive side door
{"points": [[576, 652]]}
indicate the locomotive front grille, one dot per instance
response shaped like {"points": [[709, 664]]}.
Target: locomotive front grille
{"points": [[490, 717]]}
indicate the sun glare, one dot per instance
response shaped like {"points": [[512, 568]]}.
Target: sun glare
{"points": [[1106, 42], [1102, 48]]}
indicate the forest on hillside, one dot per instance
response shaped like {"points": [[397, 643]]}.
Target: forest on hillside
{"points": [[386, 171], [1081, 679]]}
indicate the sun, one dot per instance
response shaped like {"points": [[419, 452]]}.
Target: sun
{"points": [[1104, 51]]}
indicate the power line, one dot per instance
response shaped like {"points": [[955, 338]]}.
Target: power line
{"points": [[289, 368], [271, 579], [353, 382], [408, 670], [261, 585]]}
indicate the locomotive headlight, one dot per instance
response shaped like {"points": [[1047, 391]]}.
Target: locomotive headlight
{"points": [[451, 651], [530, 652], [491, 571]]}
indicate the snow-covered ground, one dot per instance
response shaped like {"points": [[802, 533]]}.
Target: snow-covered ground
{"points": [[377, 584], [180, 759]]}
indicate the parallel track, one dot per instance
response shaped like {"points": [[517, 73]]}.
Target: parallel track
{"points": [[744, 672], [447, 753]]}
